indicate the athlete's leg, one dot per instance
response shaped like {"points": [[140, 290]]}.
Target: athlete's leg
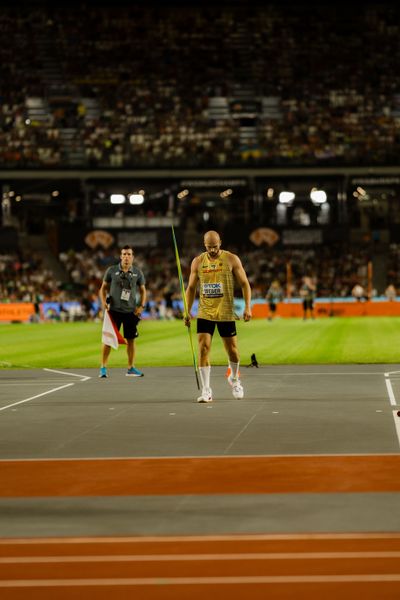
{"points": [[234, 358], [205, 330], [131, 351], [227, 331], [130, 322], [231, 348], [305, 306], [204, 340], [105, 353]]}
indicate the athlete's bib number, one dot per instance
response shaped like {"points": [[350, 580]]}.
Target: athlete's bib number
{"points": [[213, 290]]}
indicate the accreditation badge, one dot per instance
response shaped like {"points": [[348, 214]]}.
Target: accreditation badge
{"points": [[125, 294]]}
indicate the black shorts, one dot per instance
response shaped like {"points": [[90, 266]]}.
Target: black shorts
{"points": [[308, 304], [225, 328], [272, 306], [128, 320]]}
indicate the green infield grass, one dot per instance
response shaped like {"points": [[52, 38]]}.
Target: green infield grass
{"points": [[166, 343]]}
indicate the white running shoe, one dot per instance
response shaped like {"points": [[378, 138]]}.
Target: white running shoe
{"points": [[237, 388], [206, 395]]}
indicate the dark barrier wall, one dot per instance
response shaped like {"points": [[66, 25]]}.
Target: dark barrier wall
{"points": [[8, 239]]}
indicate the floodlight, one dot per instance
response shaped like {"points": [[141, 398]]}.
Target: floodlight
{"points": [[117, 199], [318, 196], [136, 198], [286, 197]]}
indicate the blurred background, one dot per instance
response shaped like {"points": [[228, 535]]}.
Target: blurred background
{"points": [[276, 124]]}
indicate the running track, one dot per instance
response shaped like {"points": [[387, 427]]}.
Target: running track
{"points": [[266, 566], [257, 567], [224, 567]]}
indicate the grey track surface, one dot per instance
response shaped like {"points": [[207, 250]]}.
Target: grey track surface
{"points": [[287, 410]]}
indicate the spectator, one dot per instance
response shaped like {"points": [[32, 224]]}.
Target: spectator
{"points": [[273, 297], [390, 292], [359, 293]]}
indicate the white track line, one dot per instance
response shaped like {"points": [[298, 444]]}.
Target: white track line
{"points": [[196, 557], [317, 373], [197, 538], [164, 581], [196, 457], [393, 402], [83, 377], [37, 396], [29, 383], [391, 395], [229, 446], [5, 384], [397, 424]]}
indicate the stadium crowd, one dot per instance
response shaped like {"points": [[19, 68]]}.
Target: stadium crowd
{"points": [[24, 279], [200, 86]]}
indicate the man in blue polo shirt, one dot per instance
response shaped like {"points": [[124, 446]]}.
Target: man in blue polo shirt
{"points": [[122, 284]]}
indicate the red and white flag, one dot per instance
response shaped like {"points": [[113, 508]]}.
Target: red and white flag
{"points": [[110, 334]]}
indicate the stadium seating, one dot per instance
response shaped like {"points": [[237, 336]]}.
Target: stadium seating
{"points": [[119, 86]]}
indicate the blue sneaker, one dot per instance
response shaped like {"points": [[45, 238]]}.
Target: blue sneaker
{"points": [[103, 372], [133, 372]]}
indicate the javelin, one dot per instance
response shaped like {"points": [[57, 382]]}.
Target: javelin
{"points": [[185, 307]]}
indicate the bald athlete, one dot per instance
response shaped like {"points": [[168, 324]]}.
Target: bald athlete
{"points": [[216, 270]]}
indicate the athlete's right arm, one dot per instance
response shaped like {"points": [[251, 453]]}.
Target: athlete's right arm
{"points": [[191, 288]]}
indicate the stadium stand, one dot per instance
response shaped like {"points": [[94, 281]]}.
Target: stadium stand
{"points": [[219, 86], [122, 86]]}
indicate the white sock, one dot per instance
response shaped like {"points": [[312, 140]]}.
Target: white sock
{"points": [[234, 369], [205, 376]]}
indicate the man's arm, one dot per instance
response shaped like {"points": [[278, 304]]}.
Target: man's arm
{"points": [[103, 295], [191, 288], [241, 277], [143, 295]]}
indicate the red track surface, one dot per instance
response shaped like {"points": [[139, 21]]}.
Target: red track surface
{"points": [[207, 475], [295, 567], [256, 567]]}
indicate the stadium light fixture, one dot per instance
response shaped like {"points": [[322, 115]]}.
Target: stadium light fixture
{"points": [[117, 199], [182, 194], [136, 198], [318, 197], [286, 197]]}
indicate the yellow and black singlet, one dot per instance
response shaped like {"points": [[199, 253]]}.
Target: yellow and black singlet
{"points": [[216, 298]]}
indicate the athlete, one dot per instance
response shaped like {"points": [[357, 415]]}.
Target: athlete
{"points": [[216, 271], [118, 293]]}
